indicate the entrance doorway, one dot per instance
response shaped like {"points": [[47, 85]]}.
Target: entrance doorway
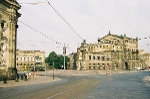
{"points": [[126, 66]]}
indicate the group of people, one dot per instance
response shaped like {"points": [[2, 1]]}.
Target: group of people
{"points": [[28, 75]]}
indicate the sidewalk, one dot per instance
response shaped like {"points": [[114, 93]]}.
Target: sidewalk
{"points": [[39, 79]]}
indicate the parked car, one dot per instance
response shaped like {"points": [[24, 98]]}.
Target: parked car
{"points": [[137, 68], [38, 68]]}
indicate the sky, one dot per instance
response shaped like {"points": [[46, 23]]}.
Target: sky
{"points": [[90, 20]]}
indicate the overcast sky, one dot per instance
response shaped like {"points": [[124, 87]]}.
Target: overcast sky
{"points": [[91, 19]]}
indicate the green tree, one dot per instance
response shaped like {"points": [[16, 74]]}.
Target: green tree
{"points": [[57, 59], [51, 58]]}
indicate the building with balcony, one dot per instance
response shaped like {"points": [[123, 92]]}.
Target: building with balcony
{"points": [[27, 59]]}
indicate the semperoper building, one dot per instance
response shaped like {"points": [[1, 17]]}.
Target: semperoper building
{"points": [[117, 51]]}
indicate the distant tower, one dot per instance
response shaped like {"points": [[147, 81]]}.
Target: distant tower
{"points": [[8, 35]]}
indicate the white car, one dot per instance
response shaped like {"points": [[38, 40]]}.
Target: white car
{"points": [[137, 68]]}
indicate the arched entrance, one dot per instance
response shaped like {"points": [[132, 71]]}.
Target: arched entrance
{"points": [[126, 66]]}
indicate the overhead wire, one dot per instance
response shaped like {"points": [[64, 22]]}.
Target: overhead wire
{"points": [[63, 19], [57, 42], [40, 33], [35, 3]]}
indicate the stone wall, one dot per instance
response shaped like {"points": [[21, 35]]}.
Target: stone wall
{"points": [[8, 31]]}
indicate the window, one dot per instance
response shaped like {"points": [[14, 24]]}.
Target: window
{"points": [[90, 57], [24, 58], [93, 57], [107, 57], [98, 57], [20, 58], [103, 58], [28, 58]]}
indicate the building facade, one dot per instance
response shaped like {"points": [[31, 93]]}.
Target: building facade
{"points": [[144, 59], [8, 32], [72, 62], [27, 59], [118, 52]]}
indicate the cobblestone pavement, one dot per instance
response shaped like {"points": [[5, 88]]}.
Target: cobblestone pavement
{"points": [[125, 86], [120, 85], [42, 78]]}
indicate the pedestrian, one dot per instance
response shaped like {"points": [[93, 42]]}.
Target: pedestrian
{"points": [[108, 72], [34, 72], [34, 75], [30, 75]]}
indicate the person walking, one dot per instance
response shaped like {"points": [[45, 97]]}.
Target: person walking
{"points": [[108, 70]]}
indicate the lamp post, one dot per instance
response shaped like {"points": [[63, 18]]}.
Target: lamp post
{"points": [[45, 70], [64, 52], [53, 70]]}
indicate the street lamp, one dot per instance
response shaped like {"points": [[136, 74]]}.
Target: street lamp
{"points": [[53, 70]]}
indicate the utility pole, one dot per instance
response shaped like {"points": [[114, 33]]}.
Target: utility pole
{"points": [[53, 70], [45, 69], [64, 52]]}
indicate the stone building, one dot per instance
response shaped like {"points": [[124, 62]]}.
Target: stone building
{"points": [[8, 29], [119, 52], [144, 59], [27, 59], [72, 62]]}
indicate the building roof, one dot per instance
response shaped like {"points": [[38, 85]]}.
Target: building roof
{"points": [[117, 36]]}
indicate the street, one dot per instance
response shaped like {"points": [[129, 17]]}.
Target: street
{"points": [[118, 86]]}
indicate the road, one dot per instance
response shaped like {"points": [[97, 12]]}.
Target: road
{"points": [[119, 86], [122, 86]]}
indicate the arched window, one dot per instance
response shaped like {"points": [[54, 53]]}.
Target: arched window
{"points": [[103, 58], [90, 57], [108, 57], [93, 57], [98, 57]]}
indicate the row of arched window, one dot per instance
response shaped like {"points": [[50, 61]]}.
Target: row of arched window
{"points": [[25, 58], [107, 57]]}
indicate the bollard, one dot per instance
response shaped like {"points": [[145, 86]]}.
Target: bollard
{"points": [[25, 77], [4, 79], [16, 77]]}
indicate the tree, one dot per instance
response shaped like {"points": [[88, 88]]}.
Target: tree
{"points": [[58, 60]]}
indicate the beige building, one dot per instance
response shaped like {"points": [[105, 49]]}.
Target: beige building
{"points": [[144, 59], [27, 59], [119, 52], [8, 28]]}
